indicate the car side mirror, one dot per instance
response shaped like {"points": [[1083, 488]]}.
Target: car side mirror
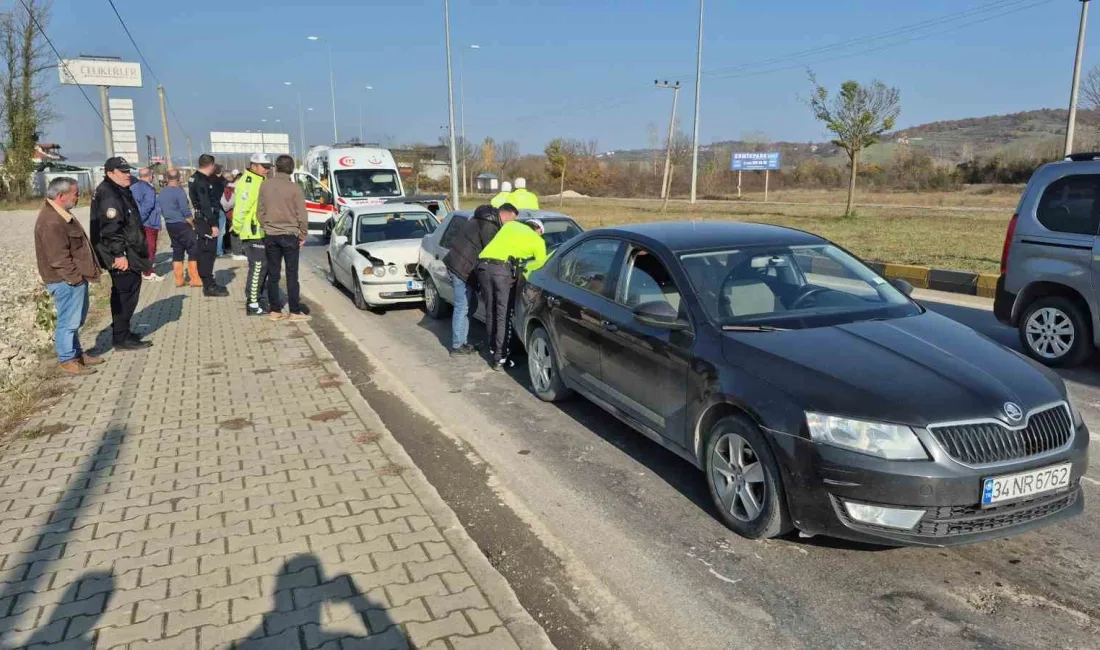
{"points": [[902, 286], [659, 314], [341, 240]]}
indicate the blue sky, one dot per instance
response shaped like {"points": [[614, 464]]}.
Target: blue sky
{"points": [[548, 68]]}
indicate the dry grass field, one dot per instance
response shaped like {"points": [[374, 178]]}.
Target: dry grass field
{"points": [[950, 230]]}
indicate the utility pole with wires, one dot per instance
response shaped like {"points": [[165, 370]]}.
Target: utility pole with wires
{"points": [[1071, 122], [671, 128], [451, 104], [164, 125]]}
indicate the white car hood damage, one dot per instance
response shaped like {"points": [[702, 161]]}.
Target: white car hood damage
{"points": [[398, 251]]}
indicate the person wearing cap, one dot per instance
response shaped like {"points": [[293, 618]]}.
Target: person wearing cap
{"points": [[523, 198], [145, 195], [206, 198], [247, 226], [119, 243], [503, 196], [514, 244]]}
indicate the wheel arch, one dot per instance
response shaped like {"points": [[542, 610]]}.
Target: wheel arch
{"points": [[711, 415]]}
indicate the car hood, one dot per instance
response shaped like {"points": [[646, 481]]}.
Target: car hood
{"points": [[394, 251], [917, 370]]}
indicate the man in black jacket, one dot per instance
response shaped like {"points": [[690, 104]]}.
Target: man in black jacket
{"points": [[461, 261], [206, 196], [120, 247]]}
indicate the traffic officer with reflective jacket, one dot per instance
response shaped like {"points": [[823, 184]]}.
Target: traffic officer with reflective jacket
{"points": [[120, 247], [247, 227], [523, 198], [503, 196]]}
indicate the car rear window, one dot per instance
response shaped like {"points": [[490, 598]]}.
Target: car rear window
{"points": [[1069, 205]]}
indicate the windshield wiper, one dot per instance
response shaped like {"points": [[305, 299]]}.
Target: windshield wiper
{"points": [[754, 328]]}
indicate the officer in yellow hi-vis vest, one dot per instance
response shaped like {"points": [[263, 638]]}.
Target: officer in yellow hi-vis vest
{"points": [[247, 227], [502, 197], [523, 198]]}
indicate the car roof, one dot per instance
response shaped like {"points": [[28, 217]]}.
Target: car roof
{"points": [[385, 208], [682, 236]]}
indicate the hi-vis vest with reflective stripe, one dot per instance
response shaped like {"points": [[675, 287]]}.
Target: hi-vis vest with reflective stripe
{"points": [[500, 199], [525, 199], [245, 223]]}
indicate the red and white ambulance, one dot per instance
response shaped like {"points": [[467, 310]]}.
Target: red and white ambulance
{"points": [[335, 178]]}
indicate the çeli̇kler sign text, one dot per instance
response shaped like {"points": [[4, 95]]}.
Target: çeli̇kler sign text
{"points": [[91, 72]]}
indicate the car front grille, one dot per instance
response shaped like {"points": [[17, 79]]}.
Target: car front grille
{"points": [[984, 443], [951, 521]]}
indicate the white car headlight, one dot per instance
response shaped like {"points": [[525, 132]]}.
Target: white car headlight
{"points": [[890, 441], [379, 271]]}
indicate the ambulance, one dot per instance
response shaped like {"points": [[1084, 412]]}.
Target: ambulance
{"points": [[335, 178]]}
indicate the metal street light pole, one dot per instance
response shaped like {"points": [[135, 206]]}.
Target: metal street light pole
{"points": [[671, 125], [462, 112], [332, 85], [1072, 121], [451, 104], [361, 140], [698, 88], [301, 123]]}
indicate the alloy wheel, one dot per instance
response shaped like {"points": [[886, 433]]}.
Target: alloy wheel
{"points": [[738, 477], [541, 365], [1050, 333]]}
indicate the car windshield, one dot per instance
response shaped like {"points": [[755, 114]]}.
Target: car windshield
{"points": [[791, 287], [395, 225], [558, 231], [359, 183]]}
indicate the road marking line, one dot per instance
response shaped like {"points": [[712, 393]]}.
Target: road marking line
{"points": [[1090, 480]]}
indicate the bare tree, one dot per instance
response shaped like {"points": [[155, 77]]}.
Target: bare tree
{"points": [[25, 99], [654, 144], [1090, 88], [507, 155], [680, 148], [857, 116]]}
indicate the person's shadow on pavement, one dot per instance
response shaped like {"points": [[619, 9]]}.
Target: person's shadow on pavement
{"points": [[301, 589], [80, 628]]}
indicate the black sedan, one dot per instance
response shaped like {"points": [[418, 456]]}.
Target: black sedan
{"points": [[814, 394]]}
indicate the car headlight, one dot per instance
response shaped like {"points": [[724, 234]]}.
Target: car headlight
{"points": [[393, 269], [379, 271], [890, 441]]}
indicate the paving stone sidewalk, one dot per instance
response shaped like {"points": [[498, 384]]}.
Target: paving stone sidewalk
{"points": [[229, 488]]}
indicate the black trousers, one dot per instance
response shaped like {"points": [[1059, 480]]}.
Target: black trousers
{"points": [[256, 285], [125, 291], [182, 236], [282, 248], [206, 251], [496, 284]]}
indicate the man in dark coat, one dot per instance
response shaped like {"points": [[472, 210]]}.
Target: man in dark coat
{"points": [[206, 195], [461, 261], [119, 243]]}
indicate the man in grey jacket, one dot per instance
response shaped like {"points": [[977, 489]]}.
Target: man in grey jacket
{"points": [[283, 217]]}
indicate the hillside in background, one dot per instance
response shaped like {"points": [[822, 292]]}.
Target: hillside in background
{"points": [[1037, 133]]}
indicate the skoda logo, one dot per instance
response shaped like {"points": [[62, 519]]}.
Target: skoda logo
{"points": [[1013, 412]]}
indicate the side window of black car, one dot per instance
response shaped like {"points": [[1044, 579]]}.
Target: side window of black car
{"points": [[588, 266], [451, 233], [1069, 205], [647, 280]]}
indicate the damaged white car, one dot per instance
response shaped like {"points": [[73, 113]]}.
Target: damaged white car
{"points": [[374, 252]]}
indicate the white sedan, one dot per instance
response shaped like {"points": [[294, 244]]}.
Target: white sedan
{"points": [[374, 250]]}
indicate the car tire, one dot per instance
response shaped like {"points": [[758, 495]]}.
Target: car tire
{"points": [[744, 480], [357, 296], [332, 273], [543, 368], [434, 304], [1055, 332]]}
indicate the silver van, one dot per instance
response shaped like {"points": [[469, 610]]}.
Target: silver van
{"points": [[1051, 261]]}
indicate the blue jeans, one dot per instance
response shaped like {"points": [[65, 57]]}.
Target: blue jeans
{"points": [[221, 231], [72, 308], [465, 306]]}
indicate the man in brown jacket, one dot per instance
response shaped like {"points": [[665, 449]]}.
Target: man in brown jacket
{"points": [[282, 214], [66, 264]]}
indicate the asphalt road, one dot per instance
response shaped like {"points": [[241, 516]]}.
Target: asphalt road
{"points": [[610, 541]]}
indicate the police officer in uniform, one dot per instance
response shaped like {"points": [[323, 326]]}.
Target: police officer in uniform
{"points": [[206, 196], [120, 246]]}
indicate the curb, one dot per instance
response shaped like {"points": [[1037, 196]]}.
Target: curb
{"points": [[983, 285], [518, 621]]}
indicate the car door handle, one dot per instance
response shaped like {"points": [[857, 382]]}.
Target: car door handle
{"points": [[609, 326], [553, 301]]}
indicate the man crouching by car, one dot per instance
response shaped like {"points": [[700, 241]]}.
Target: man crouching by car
{"points": [[461, 261]]}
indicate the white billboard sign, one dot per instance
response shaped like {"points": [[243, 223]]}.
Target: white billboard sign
{"points": [[91, 72], [249, 143], [123, 129]]}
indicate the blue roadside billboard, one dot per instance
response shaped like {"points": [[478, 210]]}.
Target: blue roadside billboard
{"points": [[755, 162]]}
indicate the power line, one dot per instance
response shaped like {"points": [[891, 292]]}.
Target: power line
{"points": [[30, 14], [147, 66]]}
